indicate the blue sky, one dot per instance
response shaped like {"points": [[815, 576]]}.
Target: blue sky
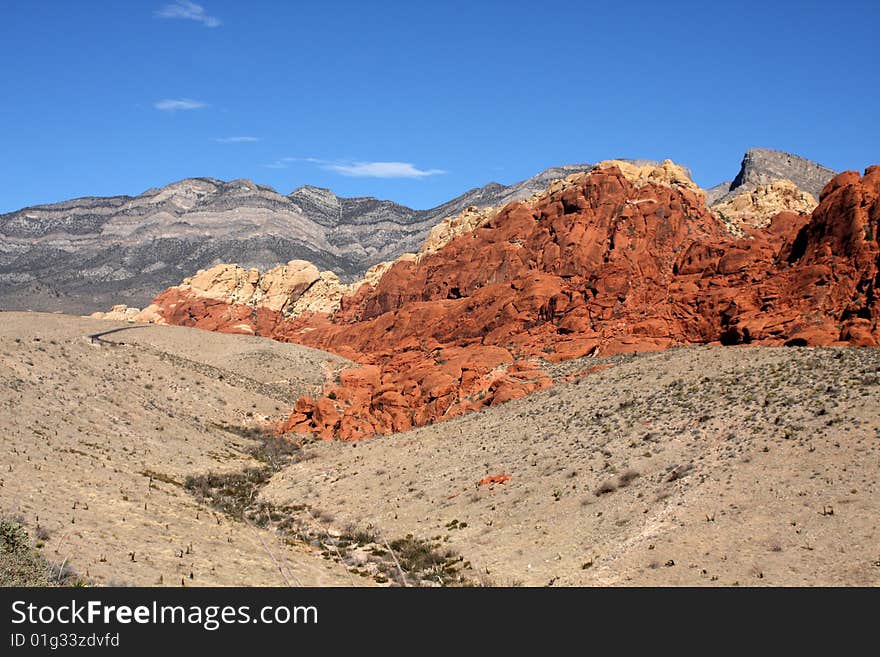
{"points": [[417, 101]]}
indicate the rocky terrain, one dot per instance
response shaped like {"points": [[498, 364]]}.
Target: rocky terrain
{"points": [[758, 207], [620, 259], [606, 382], [715, 466], [603, 383], [762, 166]]}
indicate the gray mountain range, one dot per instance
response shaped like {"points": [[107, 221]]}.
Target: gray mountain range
{"points": [[87, 254], [82, 255]]}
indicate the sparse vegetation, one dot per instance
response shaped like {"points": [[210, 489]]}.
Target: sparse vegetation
{"points": [[236, 494], [425, 560], [20, 563], [626, 477]]}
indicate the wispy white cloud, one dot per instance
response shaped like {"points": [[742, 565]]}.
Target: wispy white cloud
{"points": [[376, 169], [186, 10], [357, 169], [173, 104], [236, 140]]}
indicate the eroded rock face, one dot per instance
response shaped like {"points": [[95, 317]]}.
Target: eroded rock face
{"points": [[559, 270], [415, 387], [451, 227], [609, 262], [473, 217], [276, 289], [89, 253], [638, 172]]}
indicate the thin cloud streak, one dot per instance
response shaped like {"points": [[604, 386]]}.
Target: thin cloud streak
{"points": [[380, 170], [174, 104], [186, 10], [236, 140], [358, 169]]}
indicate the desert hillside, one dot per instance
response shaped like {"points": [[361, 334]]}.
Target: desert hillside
{"points": [[535, 438], [533, 433], [101, 433], [438, 295], [691, 466], [137, 454]]}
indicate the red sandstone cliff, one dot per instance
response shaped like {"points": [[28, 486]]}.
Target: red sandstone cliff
{"points": [[603, 266]]}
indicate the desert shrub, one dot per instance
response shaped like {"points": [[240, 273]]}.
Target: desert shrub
{"points": [[362, 536], [275, 451], [20, 564], [419, 556], [233, 493]]}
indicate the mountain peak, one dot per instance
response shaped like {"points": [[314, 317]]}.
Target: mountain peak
{"points": [[762, 166], [312, 190]]}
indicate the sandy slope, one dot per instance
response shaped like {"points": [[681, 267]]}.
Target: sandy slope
{"points": [[722, 466], [83, 423]]}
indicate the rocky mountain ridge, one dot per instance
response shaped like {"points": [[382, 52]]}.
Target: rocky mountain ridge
{"points": [[87, 254]]}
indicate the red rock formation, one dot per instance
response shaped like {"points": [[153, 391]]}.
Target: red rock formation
{"points": [[600, 267], [821, 287]]}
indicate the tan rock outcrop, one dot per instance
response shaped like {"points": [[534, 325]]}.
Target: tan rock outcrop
{"points": [[451, 227], [152, 314], [277, 289], [666, 173], [290, 290], [323, 296], [119, 313], [756, 208]]}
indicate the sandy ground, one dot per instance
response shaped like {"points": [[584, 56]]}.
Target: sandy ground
{"points": [[713, 466], [97, 436]]}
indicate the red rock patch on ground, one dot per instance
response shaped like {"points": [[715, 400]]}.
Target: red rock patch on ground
{"points": [[491, 480], [603, 267]]}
